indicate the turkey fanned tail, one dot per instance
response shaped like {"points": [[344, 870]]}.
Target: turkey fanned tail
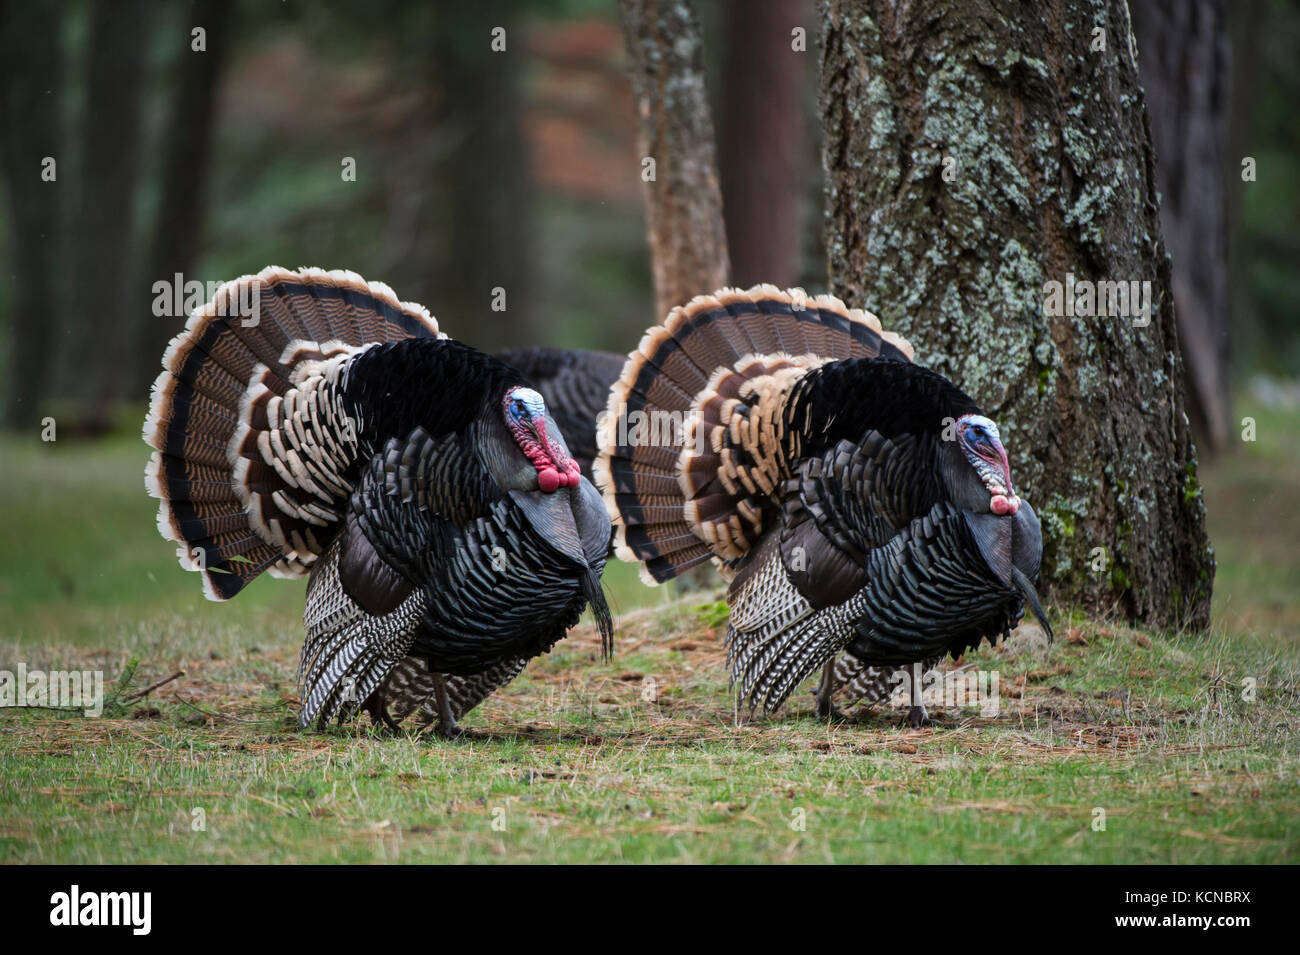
{"points": [[252, 440], [715, 378]]}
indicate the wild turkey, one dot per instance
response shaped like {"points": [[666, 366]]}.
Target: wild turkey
{"points": [[420, 484], [575, 385], [809, 461]]}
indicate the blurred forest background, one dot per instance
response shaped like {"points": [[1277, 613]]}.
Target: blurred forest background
{"points": [[477, 170]]}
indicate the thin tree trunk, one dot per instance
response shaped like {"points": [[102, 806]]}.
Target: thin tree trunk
{"points": [[1051, 174], [679, 173], [762, 148], [187, 143], [105, 291], [31, 86], [688, 242], [1184, 60], [1248, 22]]}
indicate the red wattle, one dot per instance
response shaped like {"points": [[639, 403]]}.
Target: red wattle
{"points": [[548, 479], [999, 504]]}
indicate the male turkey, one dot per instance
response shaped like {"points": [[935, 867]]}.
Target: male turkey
{"points": [[856, 501], [422, 486]]}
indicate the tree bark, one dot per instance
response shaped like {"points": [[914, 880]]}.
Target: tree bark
{"points": [[187, 143], [31, 86], [1184, 60], [1051, 174], [762, 148], [688, 242], [105, 293]]}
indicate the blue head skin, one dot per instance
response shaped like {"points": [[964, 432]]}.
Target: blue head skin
{"points": [[525, 414], [522, 407], [978, 438]]}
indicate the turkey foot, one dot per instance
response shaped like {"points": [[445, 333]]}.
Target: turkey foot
{"points": [[916, 715], [447, 727], [825, 708], [377, 707]]}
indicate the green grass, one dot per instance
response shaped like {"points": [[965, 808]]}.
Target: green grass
{"points": [[579, 761], [1253, 501]]}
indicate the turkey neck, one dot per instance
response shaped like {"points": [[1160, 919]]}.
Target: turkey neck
{"points": [[965, 489], [500, 455]]}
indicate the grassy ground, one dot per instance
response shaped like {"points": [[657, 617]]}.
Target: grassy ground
{"points": [[640, 758]]}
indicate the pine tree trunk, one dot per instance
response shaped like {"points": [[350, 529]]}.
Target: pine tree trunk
{"points": [[975, 151], [1184, 61], [688, 242], [683, 196], [764, 82], [1248, 25], [30, 100]]}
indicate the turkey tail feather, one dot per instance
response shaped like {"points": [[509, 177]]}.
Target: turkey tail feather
{"points": [[687, 459], [234, 493]]}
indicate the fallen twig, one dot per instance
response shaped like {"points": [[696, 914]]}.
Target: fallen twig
{"points": [[149, 689]]}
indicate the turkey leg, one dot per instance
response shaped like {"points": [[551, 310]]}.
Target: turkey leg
{"points": [[447, 727], [377, 707], [916, 716], [825, 692]]}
